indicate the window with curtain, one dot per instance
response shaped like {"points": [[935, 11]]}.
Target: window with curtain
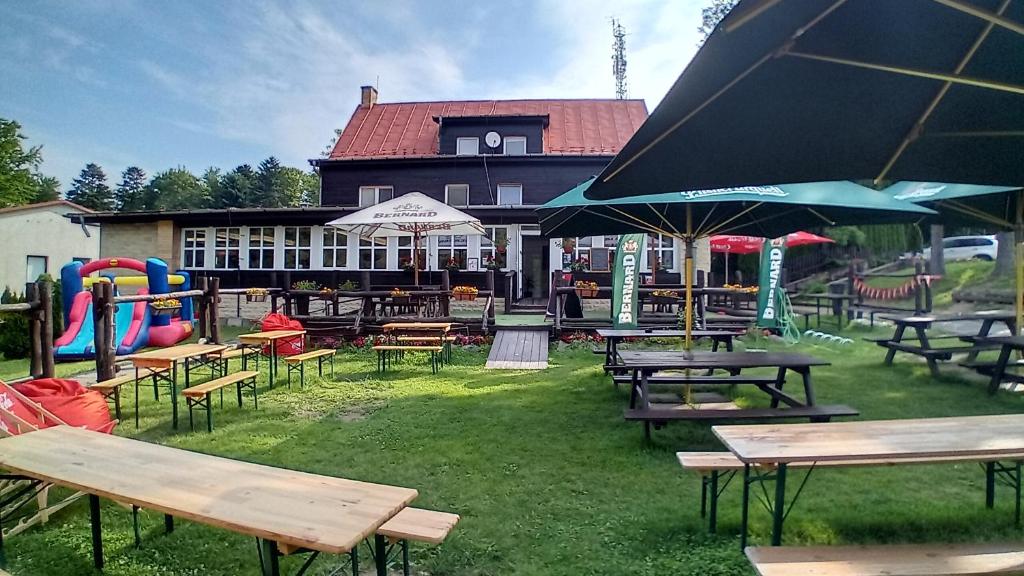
{"points": [[297, 247], [261, 247]]}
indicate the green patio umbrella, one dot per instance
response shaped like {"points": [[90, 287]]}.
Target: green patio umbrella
{"points": [[966, 204], [768, 211], [862, 90]]}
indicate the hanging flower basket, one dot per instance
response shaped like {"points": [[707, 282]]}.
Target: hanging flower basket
{"points": [[326, 294], [586, 289], [665, 297], [256, 295], [165, 307]]}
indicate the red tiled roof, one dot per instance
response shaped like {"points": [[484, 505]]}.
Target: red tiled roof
{"points": [[408, 129]]}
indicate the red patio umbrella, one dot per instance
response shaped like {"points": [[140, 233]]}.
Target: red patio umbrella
{"points": [[752, 244]]}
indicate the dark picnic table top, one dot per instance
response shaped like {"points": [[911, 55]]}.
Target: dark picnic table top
{"points": [[1000, 315], [678, 360], [615, 333]]}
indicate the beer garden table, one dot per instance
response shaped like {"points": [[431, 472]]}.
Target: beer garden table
{"points": [[166, 359], [270, 338]]}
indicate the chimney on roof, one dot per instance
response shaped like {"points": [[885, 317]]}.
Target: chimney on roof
{"points": [[369, 96]]}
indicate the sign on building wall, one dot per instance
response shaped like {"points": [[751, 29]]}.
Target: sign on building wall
{"points": [[626, 280]]}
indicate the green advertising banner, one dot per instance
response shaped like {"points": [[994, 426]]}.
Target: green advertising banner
{"points": [[626, 280], [769, 293]]}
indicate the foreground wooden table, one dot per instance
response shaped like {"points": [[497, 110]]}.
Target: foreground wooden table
{"points": [[269, 338], [771, 447], [167, 359], [281, 508]]}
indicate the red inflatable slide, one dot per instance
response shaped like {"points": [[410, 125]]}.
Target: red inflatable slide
{"points": [[52, 401], [285, 346]]}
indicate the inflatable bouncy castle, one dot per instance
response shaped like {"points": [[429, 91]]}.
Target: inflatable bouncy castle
{"points": [[134, 324]]}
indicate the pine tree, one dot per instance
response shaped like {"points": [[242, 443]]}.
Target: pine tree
{"points": [[237, 189], [271, 184], [90, 189], [130, 193], [47, 189], [713, 14]]}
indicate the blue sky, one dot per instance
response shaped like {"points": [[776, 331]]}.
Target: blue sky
{"points": [[220, 83]]}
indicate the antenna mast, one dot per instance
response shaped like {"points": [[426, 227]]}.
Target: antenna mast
{"points": [[619, 59]]}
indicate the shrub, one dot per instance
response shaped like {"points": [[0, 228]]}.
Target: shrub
{"points": [[14, 337]]}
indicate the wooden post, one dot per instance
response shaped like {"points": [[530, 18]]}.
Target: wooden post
{"points": [[45, 290], [214, 309], [103, 333], [98, 345], [35, 332], [364, 280], [446, 285], [490, 286], [918, 292], [508, 292], [202, 283]]}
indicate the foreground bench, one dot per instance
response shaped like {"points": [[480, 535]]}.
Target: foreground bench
{"points": [[199, 395], [897, 560], [389, 353], [297, 363], [717, 469], [417, 525]]}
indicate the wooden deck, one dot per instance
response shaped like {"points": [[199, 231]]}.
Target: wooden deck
{"points": [[519, 350]]}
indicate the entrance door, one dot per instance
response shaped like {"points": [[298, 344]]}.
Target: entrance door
{"points": [[535, 267]]}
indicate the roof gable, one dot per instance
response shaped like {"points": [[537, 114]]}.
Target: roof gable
{"points": [[409, 129]]}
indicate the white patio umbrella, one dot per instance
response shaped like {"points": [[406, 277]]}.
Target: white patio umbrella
{"points": [[413, 214]]}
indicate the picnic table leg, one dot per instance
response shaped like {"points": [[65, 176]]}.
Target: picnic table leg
{"points": [[897, 337], [990, 484], [644, 396], [97, 531], [174, 392], [779, 511], [380, 554], [168, 523], [780, 381], [269, 563], [273, 361], [745, 509], [986, 327], [713, 516], [1000, 369], [933, 364], [137, 396], [805, 373], [633, 386]]}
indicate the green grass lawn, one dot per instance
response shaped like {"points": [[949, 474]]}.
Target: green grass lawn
{"points": [[548, 477]]}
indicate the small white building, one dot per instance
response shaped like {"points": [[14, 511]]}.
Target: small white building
{"points": [[39, 238]]}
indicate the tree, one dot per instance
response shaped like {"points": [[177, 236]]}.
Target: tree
{"points": [[712, 15], [936, 258], [47, 189], [177, 189], [271, 184], [236, 189], [1004, 255], [90, 189], [18, 167], [300, 188], [130, 193]]}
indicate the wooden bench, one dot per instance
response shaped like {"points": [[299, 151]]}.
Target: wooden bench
{"points": [[111, 389], [220, 366], [297, 363], [418, 525], [681, 379], [388, 353], [199, 395], [445, 341], [712, 465], [659, 416], [888, 560]]}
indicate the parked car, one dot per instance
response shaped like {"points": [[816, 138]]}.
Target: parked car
{"points": [[966, 248]]}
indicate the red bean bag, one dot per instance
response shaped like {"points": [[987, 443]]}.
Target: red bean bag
{"points": [[285, 346], [68, 400]]}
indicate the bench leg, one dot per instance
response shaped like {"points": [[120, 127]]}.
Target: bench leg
{"points": [[135, 526], [713, 516], [704, 481], [406, 569], [117, 402], [302, 375], [168, 523], [209, 413], [745, 510], [897, 337], [1000, 369], [269, 562], [191, 426], [380, 554]]}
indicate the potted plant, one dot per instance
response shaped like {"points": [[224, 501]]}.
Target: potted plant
{"points": [[581, 264], [586, 289], [256, 295], [492, 263], [399, 297], [302, 300], [165, 306], [465, 292], [406, 265], [453, 265], [665, 297], [347, 286], [501, 246]]}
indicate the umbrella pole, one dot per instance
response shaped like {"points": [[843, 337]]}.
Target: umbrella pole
{"points": [[1018, 264], [688, 278], [415, 259]]}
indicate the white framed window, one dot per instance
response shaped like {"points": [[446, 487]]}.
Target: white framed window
{"points": [[510, 194], [370, 195], [335, 248], [373, 253], [193, 253], [227, 246], [494, 246], [515, 145], [405, 252], [665, 251], [261, 247], [297, 247], [456, 194], [467, 146], [35, 266], [452, 249]]}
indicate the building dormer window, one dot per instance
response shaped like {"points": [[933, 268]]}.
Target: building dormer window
{"points": [[370, 195], [467, 147], [515, 145]]}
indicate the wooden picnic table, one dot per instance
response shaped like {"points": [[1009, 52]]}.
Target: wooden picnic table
{"points": [[998, 370], [269, 338], [644, 364], [283, 509], [613, 337], [976, 343], [166, 359], [835, 303], [770, 448]]}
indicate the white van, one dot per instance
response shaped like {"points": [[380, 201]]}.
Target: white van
{"points": [[967, 248]]}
